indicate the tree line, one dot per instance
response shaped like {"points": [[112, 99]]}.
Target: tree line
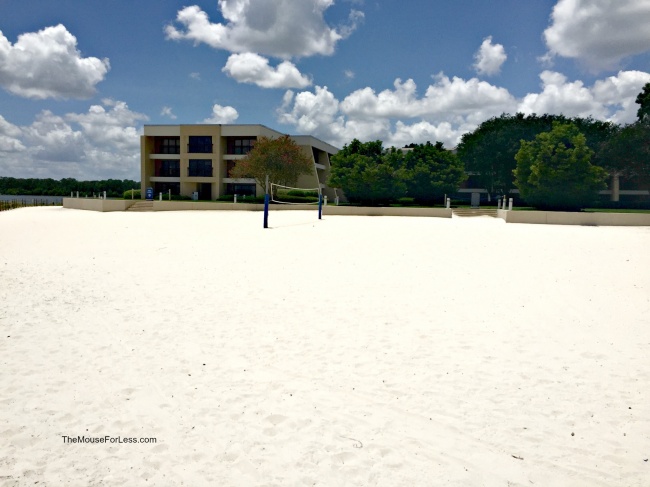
{"points": [[371, 175], [556, 162], [114, 188]]}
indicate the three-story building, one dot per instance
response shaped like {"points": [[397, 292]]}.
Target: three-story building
{"points": [[188, 159]]}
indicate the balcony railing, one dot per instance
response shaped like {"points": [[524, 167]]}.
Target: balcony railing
{"points": [[199, 148], [168, 150], [168, 173], [199, 172]]}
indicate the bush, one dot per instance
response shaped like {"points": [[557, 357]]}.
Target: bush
{"points": [[554, 171], [406, 201], [136, 194], [301, 193]]}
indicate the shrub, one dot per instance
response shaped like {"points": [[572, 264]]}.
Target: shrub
{"points": [[136, 194], [554, 171]]}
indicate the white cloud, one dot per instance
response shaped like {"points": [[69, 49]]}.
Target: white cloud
{"points": [[111, 129], [282, 28], [608, 99], [619, 92], [9, 137], [451, 107], [254, 69], [47, 64], [599, 33], [101, 143], [167, 112], [446, 98], [421, 132], [222, 115], [489, 58]]}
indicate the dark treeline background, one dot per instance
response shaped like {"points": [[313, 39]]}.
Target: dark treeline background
{"points": [[114, 188]]}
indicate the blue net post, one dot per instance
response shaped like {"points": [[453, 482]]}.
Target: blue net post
{"points": [[266, 210], [320, 206]]}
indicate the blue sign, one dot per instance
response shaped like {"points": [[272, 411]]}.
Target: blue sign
{"points": [[149, 194]]}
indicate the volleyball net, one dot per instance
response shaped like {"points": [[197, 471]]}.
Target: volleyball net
{"points": [[288, 195]]}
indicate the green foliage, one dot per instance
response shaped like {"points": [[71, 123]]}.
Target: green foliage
{"points": [[114, 188], [431, 172], [643, 100], [406, 201], [301, 193], [367, 174], [370, 175], [554, 170], [281, 159], [489, 152], [627, 152], [132, 194]]}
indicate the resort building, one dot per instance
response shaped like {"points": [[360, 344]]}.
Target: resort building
{"points": [[196, 160]]}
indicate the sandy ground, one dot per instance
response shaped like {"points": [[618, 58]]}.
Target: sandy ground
{"points": [[352, 351]]}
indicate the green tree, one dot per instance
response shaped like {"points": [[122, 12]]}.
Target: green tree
{"points": [[489, 151], [627, 153], [554, 170], [280, 159], [431, 172], [367, 174], [643, 99]]}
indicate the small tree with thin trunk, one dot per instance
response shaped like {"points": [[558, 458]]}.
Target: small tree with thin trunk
{"points": [[280, 159]]}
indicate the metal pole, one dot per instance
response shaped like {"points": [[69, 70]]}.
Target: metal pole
{"points": [[266, 203], [320, 206]]}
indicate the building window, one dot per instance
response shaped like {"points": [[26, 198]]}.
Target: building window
{"points": [[165, 187], [168, 145], [168, 169], [240, 189], [200, 168], [200, 144], [240, 145]]}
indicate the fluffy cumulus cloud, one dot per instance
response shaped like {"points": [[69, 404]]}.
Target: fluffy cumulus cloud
{"points": [[254, 69], [222, 114], [9, 137], [451, 107], [448, 98], [609, 99], [282, 28], [47, 64], [100, 143], [489, 58], [599, 33]]}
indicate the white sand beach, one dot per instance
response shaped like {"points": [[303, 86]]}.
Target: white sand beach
{"points": [[352, 351]]}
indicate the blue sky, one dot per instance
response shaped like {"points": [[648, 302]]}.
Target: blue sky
{"points": [[80, 78]]}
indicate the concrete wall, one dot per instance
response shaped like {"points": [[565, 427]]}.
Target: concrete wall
{"points": [[95, 204], [209, 205], [327, 210], [575, 218], [386, 211]]}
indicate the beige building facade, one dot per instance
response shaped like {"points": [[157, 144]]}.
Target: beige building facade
{"points": [[196, 160]]}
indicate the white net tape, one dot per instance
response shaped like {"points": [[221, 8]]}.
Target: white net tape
{"points": [[286, 189]]}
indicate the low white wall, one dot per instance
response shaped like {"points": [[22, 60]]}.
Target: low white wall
{"points": [[576, 218], [386, 211], [210, 205], [96, 204]]}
